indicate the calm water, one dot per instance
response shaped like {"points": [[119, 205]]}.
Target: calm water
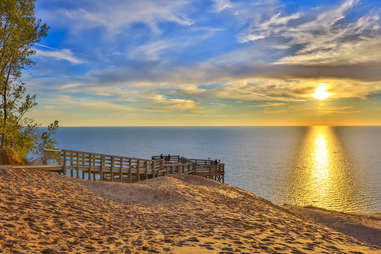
{"points": [[331, 167]]}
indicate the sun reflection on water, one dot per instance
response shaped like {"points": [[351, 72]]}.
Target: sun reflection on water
{"points": [[320, 156], [323, 175]]}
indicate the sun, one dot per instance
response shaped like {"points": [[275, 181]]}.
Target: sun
{"points": [[321, 92]]}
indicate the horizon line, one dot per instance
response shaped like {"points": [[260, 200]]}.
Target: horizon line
{"points": [[265, 125]]}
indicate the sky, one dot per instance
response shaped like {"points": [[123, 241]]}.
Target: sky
{"points": [[208, 62]]}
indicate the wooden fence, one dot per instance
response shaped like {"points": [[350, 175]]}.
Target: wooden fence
{"points": [[96, 166]]}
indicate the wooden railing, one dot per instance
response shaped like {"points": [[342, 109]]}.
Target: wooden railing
{"points": [[96, 166]]}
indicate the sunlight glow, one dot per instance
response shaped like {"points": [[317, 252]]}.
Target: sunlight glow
{"points": [[321, 92], [323, 175], [320, 153]]}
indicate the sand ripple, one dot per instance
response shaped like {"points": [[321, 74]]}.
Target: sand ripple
{"points": [[46, 213]]}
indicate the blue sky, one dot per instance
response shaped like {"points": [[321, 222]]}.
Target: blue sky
{"points": [[217, 62]]}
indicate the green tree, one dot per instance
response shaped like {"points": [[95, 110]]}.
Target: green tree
{"points": [[19, 31]]}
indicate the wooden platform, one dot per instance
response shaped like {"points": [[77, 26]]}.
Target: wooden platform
{"points": [[96, 166], [51, 168]]}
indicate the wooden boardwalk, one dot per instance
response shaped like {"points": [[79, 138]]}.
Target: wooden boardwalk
{"points": [[96, 166]]}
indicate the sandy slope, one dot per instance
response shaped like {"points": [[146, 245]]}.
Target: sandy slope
{"points": [[365, 227], [42, 212]]}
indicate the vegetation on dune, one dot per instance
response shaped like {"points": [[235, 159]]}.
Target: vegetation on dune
{"points": [[19, 31]]}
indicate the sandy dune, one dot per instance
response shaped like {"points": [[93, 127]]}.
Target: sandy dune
{"points": [[42, 212], [365, 227]]}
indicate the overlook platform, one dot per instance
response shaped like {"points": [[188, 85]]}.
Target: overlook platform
{"points": [[105, 167]]}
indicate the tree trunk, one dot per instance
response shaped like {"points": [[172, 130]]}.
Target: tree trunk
{"points": [[5, 109], [3, 67], [5, 116]]}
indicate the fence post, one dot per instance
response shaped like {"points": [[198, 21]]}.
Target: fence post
{"points": [[121, 170], [111, 168], [83, 165], [64, 163], [146, 169], [71, 163], [129, 171], [77, 175], [153, 168], [138, 170], [101, 168], [161, 165]]}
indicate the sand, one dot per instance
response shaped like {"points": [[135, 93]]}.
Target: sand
{"points": [[46, 213]]}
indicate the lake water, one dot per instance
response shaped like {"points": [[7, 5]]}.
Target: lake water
{"points": [[331, 167]]}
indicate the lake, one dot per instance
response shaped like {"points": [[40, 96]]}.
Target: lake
{"points": [[331, 167]]}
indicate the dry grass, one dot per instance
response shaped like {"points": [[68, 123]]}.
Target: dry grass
{"points": [[8, 157]]}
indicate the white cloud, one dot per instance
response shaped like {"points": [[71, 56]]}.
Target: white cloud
{"points": [[64, 101], [248, 11], [115, 16], [221, 5], [64, 54], [69, 86], [274, 24], [172, 103], [279, 91], [153, 50], [321, 37]]}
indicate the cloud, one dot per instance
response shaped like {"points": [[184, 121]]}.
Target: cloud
{"points": [[221, 5], [147, 99], [325, 37], [337, 110], [152, 51], [275, 24], [265, 58], [64, 54], [64, 101], [68, 87], [270, 92], [116, 16], [162, 103], [248, 11], [270, 105]]}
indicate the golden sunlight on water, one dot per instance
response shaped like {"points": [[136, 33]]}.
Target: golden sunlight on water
{"points": [[324, 176]]}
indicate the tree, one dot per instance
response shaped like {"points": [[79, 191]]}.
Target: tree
{"points": [[19, 31]]}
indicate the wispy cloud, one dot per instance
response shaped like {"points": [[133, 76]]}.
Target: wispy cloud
{"points": [[324, 37], [115, 16], [221, 5], [161, 103], [64, 54], [64, 101], [152, 51]]}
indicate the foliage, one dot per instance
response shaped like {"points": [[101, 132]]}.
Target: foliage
{"points": [[46, 140], [19, 31]]}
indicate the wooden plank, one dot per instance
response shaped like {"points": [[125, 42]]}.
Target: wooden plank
{"points": [[104, 165], [83, 165], [94, 168], [153, 169], [130, 170], [120, 169], [112, 168], [77, 164], [92, 164], [101, 168], [71, 164], [64, 163], [53, 168], [146, 169], [138, 170]]}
